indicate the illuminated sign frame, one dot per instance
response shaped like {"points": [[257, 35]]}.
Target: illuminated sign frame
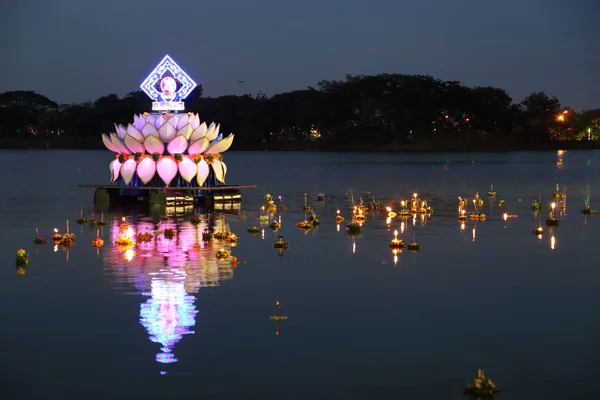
{"points": [[163, 101]]}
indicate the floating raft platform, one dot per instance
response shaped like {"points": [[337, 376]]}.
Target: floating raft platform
{"points": [[107, 195]]}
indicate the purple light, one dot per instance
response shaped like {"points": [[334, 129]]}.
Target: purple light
{"points": [[168, 65]]}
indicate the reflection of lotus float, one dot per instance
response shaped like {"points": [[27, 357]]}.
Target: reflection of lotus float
{"points": [[551, 221], [320, 197], [481, 387], [354, 228], [589, 211]]}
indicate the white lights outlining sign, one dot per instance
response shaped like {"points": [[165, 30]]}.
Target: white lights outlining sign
{"points": [[168, 85]]}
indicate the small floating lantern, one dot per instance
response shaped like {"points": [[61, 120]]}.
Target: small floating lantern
{"points": [[404, 212], [306, 207], [314, 220], [101, 222], [144, 237], [56, 237], [38, 239], [374, 205], [535, 206], [81, 220], [461, 202], [281, 207], [539, 231], [391, 214], [263, 218], [97, 242], [278, 317], [169, 233], [462, 216], [500, 203], [223, 254], [196, 219], [320, 197], [281, 244], [359, 214], [124, 225], [551, 221], [124, 242], [22, 259], [272, 207], [396, 243], [206, 235], [414, 246], [92, 221], [354, 228], [68, 239], [338, 218], [424, 208], [477, 215], [477, 200], [254, 230], [267, 200], [231, 238], [481, 387], [491, 193], [586, 209], [274, 225], [557, 193], [304, 225]]}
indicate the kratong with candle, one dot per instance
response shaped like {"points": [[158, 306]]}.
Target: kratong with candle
{"points": [[481, 387]]}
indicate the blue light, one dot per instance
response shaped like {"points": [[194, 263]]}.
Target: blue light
{"points": [[168, 65]]}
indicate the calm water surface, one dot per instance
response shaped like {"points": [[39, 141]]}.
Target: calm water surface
{"points": [[167, 321]]}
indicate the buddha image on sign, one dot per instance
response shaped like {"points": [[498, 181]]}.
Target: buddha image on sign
{"points": [[168, 88]]}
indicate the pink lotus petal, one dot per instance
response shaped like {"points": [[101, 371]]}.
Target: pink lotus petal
{"points": [[118, 143], [146, 170], [198, 146], [202, 172], [187, 169], [108, 143], [166, 169], [139, 122], [174, 120], [182, 121], [121, 131], [160, 120], [115, 168], [166, 132], [133, 144], [149, 130], [178, 145], [154, 145], [127, 170], [135, 133], [195, 121]]}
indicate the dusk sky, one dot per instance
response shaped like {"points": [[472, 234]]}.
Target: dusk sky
{"points": [[79, 50]]}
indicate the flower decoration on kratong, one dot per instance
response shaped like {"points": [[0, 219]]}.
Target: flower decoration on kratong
{"points": [[254, 230], [56, 237], [81, 220], [281, 206], [359, 214], [304, 225], [539, 231], [481, 387], [101, 222], [123, 226], [207, 236], [280, 243], [320, 197], [167, 145], [586, 208], [424, 208], [223, 254], [274, 225], [414, 246], [22, 258], [267, 200], [396, 243], [391, 214], [97, 242], [338, 218], [67, 240], [92, 221], [374, 205], [354, 228], [535, 206], [144, 237], [462, 202], [272, 208], [263, 218], [314, 220], [491, 193], [231, 239], [477, 200], [124, 242], [169, 233], [39, 239], [196, 219], [306, 207], [551, 221], [557, 194]]}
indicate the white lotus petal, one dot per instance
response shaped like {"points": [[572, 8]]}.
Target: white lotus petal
{"points": [[108, 143], [221, 146], [186, 131], [160, 120], [182, 121], [166, 132], [224, 170], [187, 168], [121, 131], [154, 145], [199, 132], [174, 120], [149, 130], [150, 119], [133, 144], [167, 169], [146, 170], [135, 133], [115, 168], [127, 170], [195, 121], [178, 145], [118, 143], [202, 172], [218, 168], [213, 131], [139, 122], [198, 146]]}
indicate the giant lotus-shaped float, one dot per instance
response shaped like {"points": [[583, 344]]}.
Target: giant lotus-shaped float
{"points": [[167, 150]]}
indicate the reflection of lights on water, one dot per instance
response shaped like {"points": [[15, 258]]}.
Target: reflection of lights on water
{"points": [[473, 233], [55, 248], [353, 247], [559, 159], [462, 226], [505, 216], [337, 227], [414, 219], [552, 242], [129, 254], [388, 220], [262, 233], [402, 227], [169, 313]]}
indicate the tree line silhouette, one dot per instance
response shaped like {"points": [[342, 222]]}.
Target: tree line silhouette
{"points": [[386, 111]]}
